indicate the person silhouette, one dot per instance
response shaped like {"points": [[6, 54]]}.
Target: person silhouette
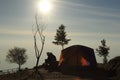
{"points": [[50, 62]]}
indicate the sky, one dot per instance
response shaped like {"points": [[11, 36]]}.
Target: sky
{"points": [[87, 23]]}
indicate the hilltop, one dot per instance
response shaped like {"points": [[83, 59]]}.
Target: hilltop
{"points": [[29, 75]]}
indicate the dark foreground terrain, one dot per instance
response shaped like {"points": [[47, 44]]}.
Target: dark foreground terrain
{"points": [[83, 75]]}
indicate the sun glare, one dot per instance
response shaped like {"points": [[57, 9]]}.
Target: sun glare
{"points": [[44, 6]]}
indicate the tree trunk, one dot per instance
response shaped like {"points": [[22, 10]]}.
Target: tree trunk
{"points": [[37, 63], [62, 47], [19, 64], [19, 67], [105, 59]]}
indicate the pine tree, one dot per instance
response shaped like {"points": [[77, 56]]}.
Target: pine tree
{"points": [[103, 50], [60, 38]]}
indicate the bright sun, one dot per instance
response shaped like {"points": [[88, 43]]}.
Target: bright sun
{"points": [[44, 6]]}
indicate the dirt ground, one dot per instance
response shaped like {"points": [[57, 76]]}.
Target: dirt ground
{"points": [[27, 75]]}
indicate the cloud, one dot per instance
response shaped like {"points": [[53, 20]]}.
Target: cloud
{"points": [[88, 9], [23, 32], [14, 32], [85, 34], [52, 34]]}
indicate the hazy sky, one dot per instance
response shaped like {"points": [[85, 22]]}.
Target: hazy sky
{"points": [[87, 23]]}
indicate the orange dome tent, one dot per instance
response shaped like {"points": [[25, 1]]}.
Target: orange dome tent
{"points": [[77, 56]]}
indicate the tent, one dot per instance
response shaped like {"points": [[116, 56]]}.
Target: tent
{"points": [[77, 56]]}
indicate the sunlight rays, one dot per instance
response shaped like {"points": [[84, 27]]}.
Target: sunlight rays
{"points": [[44, 6]]}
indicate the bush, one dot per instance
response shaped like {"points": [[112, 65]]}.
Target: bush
{"points": [[113, 67]]}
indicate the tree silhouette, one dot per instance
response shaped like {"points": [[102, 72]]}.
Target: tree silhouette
{"points": [[39, 38], [103, 50], [17, 55], [60, 38]]}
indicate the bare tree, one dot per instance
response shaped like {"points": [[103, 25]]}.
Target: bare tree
{"points": [[39, 38]]}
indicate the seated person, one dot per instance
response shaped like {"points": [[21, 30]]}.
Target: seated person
{"points": [[50, 62]]}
